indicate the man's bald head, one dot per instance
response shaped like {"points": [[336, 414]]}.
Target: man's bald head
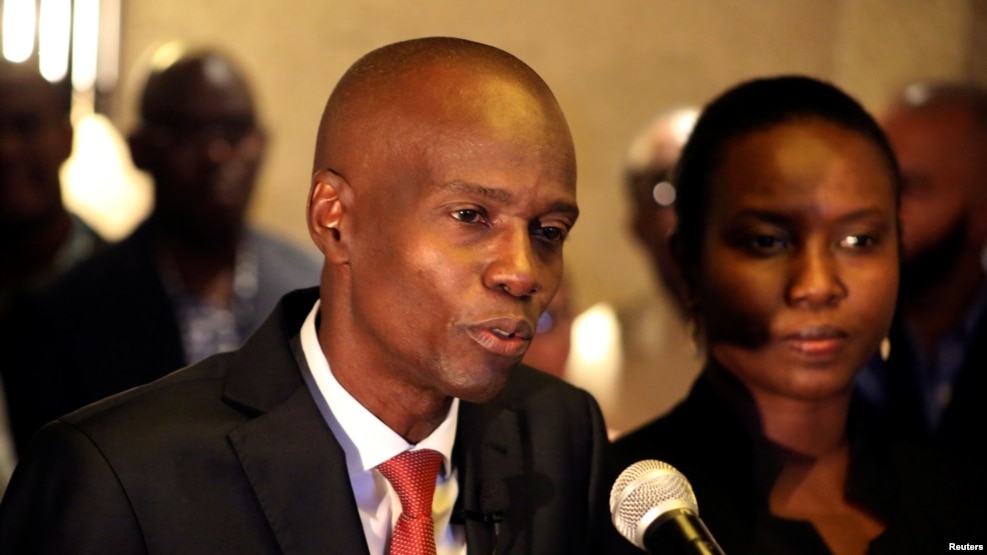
{"points": [[36, 139], [939, 134], [176, 67], [648, 168], [198, 138], [936, 95], [383, 93]]}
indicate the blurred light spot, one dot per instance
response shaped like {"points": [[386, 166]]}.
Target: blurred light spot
{"points": [[18, 29], [100, 182], [85, 41], [595, 359], [54, 30], [664, 194]]}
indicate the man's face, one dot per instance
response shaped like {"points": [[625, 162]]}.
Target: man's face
{"points": [[943, 177], [653, 220], [203, 149], [457, 230], [35, 139]]}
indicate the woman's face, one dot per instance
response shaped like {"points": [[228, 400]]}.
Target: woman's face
{"points": [[799, 270]]}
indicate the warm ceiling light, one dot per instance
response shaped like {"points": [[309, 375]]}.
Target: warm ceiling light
{"points": [[85, 43], [54, 30], [18, 29]]}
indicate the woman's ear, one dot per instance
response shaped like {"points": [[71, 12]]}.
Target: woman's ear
{"points": [[327, 215]]}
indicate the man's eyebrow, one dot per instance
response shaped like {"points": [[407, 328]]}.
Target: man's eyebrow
{"points": [[506, 197], [499, 195]]}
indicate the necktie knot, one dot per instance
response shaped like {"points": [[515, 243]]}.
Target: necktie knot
{"points": [[412, 474]]}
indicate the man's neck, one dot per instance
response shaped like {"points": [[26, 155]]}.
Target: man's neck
{"points": [[206, 270], [412, 412]]}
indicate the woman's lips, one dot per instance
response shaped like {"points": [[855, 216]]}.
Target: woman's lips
{"points": [[817, 342]]}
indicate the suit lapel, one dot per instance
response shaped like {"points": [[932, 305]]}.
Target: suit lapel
{"points": [[298, 473], [490, 459], [293, 463]]}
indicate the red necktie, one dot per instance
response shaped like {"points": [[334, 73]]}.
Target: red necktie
{"points": [[412, 474]]}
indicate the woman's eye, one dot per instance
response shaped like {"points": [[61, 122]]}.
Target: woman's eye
{"points": [[763, 243], [857, 241], [468, 215]]}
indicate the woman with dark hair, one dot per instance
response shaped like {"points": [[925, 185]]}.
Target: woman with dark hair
{"points": [[788, 242]]}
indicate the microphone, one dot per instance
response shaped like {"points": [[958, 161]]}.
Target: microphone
{"points": [[494, 502], [653, 506]]}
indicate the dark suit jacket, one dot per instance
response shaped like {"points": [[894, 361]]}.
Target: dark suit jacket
{"points": [[961, 428], [110, 325], [232, 455]]}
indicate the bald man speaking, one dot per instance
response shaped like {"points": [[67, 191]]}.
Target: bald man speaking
{"points": [[443, 191]]}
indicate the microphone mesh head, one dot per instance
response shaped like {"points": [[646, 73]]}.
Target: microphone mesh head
{"points": [[643, 492]]}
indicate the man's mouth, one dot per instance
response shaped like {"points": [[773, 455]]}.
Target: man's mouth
{"points": [[503, 336]]}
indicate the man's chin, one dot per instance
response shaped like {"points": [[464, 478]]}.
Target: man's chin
{"points": [[482, 391]]}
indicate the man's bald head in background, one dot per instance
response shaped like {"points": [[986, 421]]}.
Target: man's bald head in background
{"points": [[35, 139], [444, 186], [939, 133], [648, 169], [199, 139]]}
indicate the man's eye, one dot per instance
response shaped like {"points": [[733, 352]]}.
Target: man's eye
{"points": [[468, 215], [550, 233]]}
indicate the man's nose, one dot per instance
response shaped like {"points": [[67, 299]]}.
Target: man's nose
{"points": [[515, 267]]}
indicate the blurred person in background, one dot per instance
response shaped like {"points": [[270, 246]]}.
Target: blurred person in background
{"points": [[193, 279], [39, 239], [639, 359], [934, 384]]}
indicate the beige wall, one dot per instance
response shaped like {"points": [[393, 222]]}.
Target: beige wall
{"points": [[612, 64]]}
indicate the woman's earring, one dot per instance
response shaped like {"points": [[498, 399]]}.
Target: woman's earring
{"points": [[885, 349]]}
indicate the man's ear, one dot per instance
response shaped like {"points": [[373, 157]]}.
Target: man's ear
{"points": [[327, 215]]}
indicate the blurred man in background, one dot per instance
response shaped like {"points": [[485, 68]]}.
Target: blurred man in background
{"points": [[639, 360], [39, 239], [934, 382], [193, 279]]}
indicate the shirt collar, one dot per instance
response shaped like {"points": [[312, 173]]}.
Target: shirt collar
{"points": [[365, 439]]}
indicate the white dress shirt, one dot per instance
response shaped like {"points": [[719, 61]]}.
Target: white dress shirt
{"points": [[367, 442]]}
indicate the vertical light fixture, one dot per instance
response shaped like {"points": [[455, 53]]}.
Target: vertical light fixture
{"points": [[85, 44], [54, 36], [19, 18], [108, 49]]}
